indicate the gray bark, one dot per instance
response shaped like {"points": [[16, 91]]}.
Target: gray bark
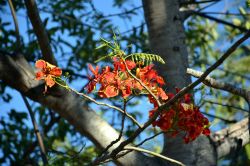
{"points": [[167, 38]]}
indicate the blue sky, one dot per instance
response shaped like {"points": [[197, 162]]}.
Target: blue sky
{"points": [[107, 8]]}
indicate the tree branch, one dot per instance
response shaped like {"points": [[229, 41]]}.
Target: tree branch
{"points": [[226, 105], [122, 13], [13, 13], [40, 31], [36, 131], [243, 29], [226, 140], [46, 129], [185, 2], [121, 131], [218, 85], [154, 154]]}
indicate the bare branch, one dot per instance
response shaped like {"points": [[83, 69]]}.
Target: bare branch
{"points": [[122, 13], [13, 13], [40, 31], [226, 105], [110, 106], [226, 140], [149, 138], [154, 154], [185, 2], [221, 118], [243, 29], [121, 131], [227, 13], [218, 85], [36, 130], [46, 129]]}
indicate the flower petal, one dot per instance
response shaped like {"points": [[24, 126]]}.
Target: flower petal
{"points": [[49, 81], [56, 71], [111, 91], [41, 64], [39, 75]]}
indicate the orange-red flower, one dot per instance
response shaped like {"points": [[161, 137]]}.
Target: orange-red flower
{"points": [[47, 72], [182, 116]]}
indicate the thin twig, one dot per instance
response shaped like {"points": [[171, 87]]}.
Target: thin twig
{"points": [[36, 130], [110, 106], [135, 27], [226, 105], [122, 13], [227, 13], [243, 29], [120, 134], [198, 2], [13, 13], [209, 5], [149, 138], [220, 118], [47, 128], [154, 154]]}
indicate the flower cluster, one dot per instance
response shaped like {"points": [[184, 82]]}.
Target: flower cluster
{"points": [[47, 72], [123, 78], [118, 80], [183, 116]]}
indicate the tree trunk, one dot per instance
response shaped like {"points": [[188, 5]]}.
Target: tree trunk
{"points": [[167, 39]]}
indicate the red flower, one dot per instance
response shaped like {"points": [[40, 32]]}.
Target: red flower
{"points": [[109, 91], [48, 72], [206, 131], [94, 71], [119, 64], [92, 80]]}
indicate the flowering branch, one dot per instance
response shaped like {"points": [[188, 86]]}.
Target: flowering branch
{"points": [[177, 112], [177, 96]]}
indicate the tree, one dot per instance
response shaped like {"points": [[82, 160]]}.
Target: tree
{"points": [[65, 112]]}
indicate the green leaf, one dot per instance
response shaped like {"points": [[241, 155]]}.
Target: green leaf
{"points": [[148, 58], [101, 46]]}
